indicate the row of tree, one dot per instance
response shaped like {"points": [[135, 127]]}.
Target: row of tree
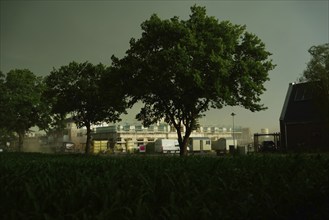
{"points": [[75, 89], [178, 69]]}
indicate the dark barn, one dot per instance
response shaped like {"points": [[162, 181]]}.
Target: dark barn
{"points": [[303, 122]]}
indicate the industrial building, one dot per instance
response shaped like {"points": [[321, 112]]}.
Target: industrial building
{"points": [[121, 135]]}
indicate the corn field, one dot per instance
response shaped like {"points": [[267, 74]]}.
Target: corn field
{"points": [[45, 186]]}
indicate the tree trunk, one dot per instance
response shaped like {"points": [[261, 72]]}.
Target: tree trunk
{"points": [[185, 144], [183, 141], [88, 142], [20, 140]]}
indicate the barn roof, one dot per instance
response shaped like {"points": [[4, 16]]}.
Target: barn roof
{"points": [[299, 105]]}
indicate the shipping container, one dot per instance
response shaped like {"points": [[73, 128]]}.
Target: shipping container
{"points": [[99, 146], [199, 144]]}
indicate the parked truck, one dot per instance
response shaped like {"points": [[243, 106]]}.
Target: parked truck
{"points": [[162, 145]]}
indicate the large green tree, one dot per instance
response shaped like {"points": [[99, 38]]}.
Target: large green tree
{"points": [[4, 133], [317, 71], [75, 89], [181, 68], [2, 98], [22, 103]]}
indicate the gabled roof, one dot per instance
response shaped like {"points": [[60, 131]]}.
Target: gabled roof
{"points": [[299, 105]]}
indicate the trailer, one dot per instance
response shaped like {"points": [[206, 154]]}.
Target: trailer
{"points": [[199, 144], [223, 145]]}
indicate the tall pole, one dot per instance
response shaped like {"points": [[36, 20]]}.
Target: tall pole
{"points": [[233, 129]]}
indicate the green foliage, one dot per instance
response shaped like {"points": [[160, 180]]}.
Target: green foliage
{"points": [[317, 71], [318, 67], [22, 103], [76, 89], [3, 100], [179, 69], [38, 186], [150, 148]]}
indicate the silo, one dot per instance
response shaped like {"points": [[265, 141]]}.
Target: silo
{"points": [[266, 137], [264, 131]]}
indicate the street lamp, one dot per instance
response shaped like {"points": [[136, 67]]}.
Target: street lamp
{"points": [[233, 114]]}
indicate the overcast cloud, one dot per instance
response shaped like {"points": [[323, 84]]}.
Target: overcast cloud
{"points": [[40, 35]]}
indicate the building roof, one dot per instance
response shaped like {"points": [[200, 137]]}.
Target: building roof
{"points": [[300, 105]]}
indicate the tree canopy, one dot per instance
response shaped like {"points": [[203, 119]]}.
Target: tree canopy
{"points": [[181, 68], [22, 104], [317, 71], [76, 89], [2, 98]]}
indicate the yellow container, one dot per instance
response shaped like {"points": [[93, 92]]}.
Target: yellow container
{"points": [[100, 146]]}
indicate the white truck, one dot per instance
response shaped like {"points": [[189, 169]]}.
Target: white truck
{"points": [[162, 145]]}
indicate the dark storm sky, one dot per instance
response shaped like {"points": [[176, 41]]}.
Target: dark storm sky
{"points": [[40, 35]]}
